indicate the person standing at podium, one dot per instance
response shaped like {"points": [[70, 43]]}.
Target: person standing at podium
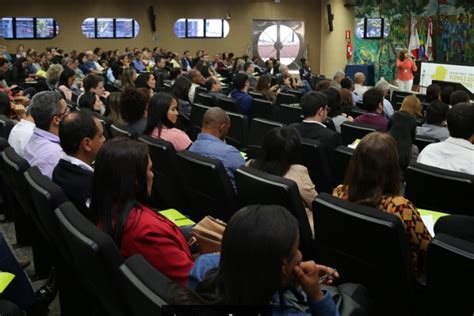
{"points": [[405, 68]]}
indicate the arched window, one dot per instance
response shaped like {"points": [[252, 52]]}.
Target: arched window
{"points": [[201, 28], [28, 28], [110, 28]]}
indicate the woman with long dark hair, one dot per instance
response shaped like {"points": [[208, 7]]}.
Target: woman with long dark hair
{"points": [[280, 156], [146, 80], [161, 121], [121, 183], [264, 86], [259, 261], [373, 179], [66, 80]]}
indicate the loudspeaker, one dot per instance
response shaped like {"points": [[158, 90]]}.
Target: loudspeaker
{"points": [[330, 18], [152, 17]]}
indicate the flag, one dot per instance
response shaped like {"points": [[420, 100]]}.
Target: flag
{"points": [[429, 40], [414, 44]]}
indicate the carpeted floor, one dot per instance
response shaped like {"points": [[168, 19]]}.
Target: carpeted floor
{"points": [[8, 231]]}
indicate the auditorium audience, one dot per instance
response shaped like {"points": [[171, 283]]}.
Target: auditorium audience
{"points": [[373, 179], [336, 81], [213, 86], [264, 86], [205, 67], [359, 81], [459, 97], [412, 105], [348, 85], [137, 62], [161, 121], [129, 75], [81, 136], [66, 81], [52, 76], [373, 103], [446, 94], [43, 149], [122, 181], [402, 127], [433, 93], [335, 113], [274, 275], [435, 121], [211, 141], [147, 81], [21, 133], [280, 156], [186, 61], [197, 79], [161, 73], [133, 105], [457, 151], [383, 86], [249, 69], [240, 93], [347, 101]]}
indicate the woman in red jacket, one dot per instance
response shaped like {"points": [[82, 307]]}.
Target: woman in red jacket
{"points": [[405, 68], [122, 180]]}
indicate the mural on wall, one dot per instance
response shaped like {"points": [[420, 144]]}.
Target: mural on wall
{"points": [[438, 30]]}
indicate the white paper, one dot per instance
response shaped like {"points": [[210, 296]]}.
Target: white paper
{"points": [[429, 223]]}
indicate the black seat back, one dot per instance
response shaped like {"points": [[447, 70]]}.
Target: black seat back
{"points": [[356, 111], [342, 157], [257, 95], [208, 186], [354, 238], [263, 109], [289, 114], [350, 131], [439, 189], [195, 121], [95, 256], [447, 251], [237, 135], [145, 288], [6, 126], [314, 157], [228, 104], [285, 98], [422, 141], [257, 187], [258, 129], [205, 99], [167, 182]]}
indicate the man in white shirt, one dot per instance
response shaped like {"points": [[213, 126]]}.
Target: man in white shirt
{"points": [[383, 86], [21, 133], [359, 80], [457, 152]]}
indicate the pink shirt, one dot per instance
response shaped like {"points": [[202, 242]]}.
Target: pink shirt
{"points": [[405, 69], [177, 137]]}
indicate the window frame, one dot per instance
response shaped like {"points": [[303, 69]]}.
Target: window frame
{"points": [[135, 30], [186, 30], [35, 28]]}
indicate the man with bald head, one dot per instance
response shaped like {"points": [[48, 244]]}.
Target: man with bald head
{"points": [[81, 136], [211, 141]]}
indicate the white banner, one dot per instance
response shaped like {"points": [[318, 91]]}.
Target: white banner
{"points": [[453, 73]]}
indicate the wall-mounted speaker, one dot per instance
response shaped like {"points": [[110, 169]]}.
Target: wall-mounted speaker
{"points": [[152, 17], [330, 18]]}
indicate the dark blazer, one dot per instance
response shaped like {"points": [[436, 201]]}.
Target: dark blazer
{"points": [[76, 182], [315, 131]]}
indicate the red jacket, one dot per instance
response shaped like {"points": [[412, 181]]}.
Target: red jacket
{"points": [[160, 242]]}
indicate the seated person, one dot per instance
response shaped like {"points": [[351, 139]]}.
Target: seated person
{"points": [[249, 69], [91, 101], [161, 121], [213, 86], [455, 153], [147, 81], [383, 85], [435, 121], [274, 272], [335, 113], [373, 103], [121, 183], [347, 84], [459, 97], [81, 136], [211, 141], [21, 133], [43, 149], [402, 127], [241, 93], [315, 110], [280, 156], [95, 84], [336, 81], [197, 80], [446, 94], [133, 104], [373, 179], [264, 86], [359, 81], [66, 82], [433, 93]]}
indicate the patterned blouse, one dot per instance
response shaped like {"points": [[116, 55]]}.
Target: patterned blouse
{"points": [[418, 235]]}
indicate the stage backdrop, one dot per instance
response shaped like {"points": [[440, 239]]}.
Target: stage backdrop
{"points": [[453, 31]]}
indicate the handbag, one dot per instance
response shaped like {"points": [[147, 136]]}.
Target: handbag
{"points": [[207, 234]]}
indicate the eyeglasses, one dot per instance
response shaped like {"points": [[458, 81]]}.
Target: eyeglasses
{"points": [[66, 112]]}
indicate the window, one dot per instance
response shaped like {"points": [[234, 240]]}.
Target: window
{"points": [[110, 28], [28, 28], [201, 28]]}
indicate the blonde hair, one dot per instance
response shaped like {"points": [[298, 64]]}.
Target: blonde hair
{"points": [[53, 73], [411, 104]]}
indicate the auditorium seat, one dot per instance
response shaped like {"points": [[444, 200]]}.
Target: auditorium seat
{"points": [[315, 158], [96, 259], [285, 98], [445, 254], [195, 121], [228, 104], [258, 187], [237, 134], [298, 94], [6, 126], [205, 99], [356, 111], [263, 109], [258, 129], [439, 190], [167, 182], [145, 288], [342, 157], [288, 114], [350, 131], [257, 95], [369, 247], [207, 185], [422, 141]]}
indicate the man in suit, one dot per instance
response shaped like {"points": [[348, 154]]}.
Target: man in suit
{"points": [[81, 136], [315, 112]]}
